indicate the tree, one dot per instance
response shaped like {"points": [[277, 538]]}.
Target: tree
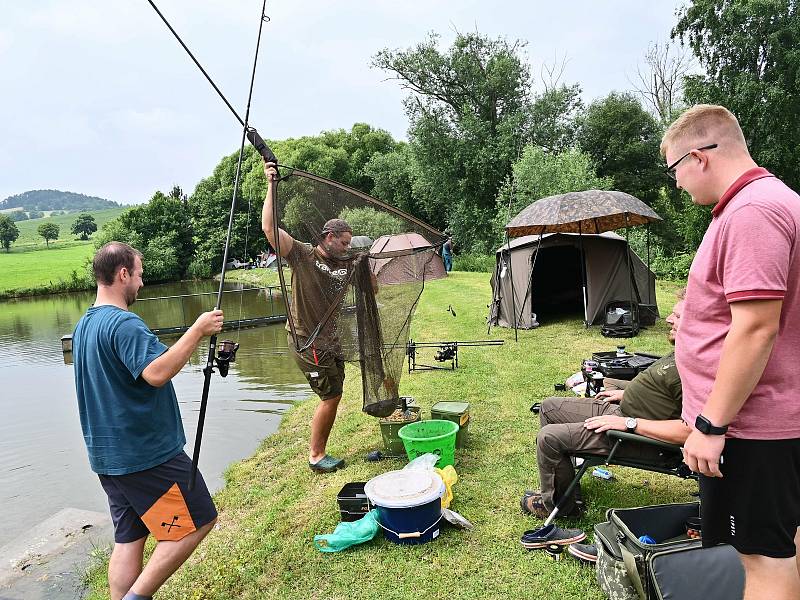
{"points": [[49, 231], [370, 222], [555, 115], [623, 140], [84, 225], [8, 232], [468, 110], [660, 83], [749, 53], [159, 230], [538, 174]]}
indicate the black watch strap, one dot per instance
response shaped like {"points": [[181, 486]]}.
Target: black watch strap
{"points": [[705, 426]]}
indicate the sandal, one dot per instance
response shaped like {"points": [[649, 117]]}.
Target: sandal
{"points": [[551, 535], [327, 464]]}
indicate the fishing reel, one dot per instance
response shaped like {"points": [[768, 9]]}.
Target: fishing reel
{"points": [[445, 352], [226, 354]]}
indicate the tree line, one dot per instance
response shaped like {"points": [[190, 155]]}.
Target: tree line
{"points": [[485, 140]]}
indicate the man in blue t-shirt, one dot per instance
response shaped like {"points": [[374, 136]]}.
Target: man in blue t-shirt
{"points": [[132, 427]]}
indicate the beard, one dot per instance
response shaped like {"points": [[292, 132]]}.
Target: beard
{"points": [[130, 297]]}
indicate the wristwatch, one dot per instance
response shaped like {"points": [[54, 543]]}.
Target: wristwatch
{"points": [[631, 424], [705, 426]]}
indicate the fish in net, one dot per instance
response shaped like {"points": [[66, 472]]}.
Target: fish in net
{"points": [[355, 303]]}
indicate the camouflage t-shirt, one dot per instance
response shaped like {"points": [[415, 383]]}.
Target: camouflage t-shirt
{"points": [[316, 283], [656, 393]]}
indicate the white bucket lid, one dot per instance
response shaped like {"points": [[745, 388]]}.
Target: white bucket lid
{"points": [[405, 488]]}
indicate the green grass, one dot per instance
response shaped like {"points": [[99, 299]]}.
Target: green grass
{"points": [[255, 277], [29, 237], [272, 505], [42, 268], [31, 267]]}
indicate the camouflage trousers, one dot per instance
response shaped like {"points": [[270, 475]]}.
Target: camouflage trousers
{"points": [[562, 434]]}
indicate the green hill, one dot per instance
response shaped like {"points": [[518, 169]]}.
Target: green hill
{"points": [[28, 236], [48, 200]]}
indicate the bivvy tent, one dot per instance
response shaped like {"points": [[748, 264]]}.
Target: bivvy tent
{"points": [[404, 267], [550, 282]]}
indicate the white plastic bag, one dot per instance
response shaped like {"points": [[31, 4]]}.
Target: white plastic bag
{"points": [[425, 462]]}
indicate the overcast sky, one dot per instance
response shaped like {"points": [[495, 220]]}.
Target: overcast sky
{"points": [[97, 97]]}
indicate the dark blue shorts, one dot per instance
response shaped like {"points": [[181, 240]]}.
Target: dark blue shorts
{"points": [[158, 501]]}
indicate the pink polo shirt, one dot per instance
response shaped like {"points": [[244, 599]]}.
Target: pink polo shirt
{"points": [[749, 252]]}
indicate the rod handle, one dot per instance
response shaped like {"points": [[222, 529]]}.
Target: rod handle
{"points": [[258, 142]]}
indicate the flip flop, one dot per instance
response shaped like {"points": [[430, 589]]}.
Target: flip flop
{"points": [[327, 464]]}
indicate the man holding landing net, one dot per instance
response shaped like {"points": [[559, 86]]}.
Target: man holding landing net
{"points": [[319, 274]]}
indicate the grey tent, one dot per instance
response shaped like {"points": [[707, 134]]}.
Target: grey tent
{"points": [[548, 282]]}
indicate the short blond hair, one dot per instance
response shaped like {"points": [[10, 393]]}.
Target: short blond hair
{"points": [[704, 124]]}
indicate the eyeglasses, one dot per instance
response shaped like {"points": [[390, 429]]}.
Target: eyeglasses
{"points": [[670, 170]]}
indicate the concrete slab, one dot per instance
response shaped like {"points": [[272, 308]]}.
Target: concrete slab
{"points": [[49, 560]]}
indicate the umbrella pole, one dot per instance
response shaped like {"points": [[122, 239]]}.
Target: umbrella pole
{"points": [[649, 297], [583, 279], [630, 269], [513, 291]]}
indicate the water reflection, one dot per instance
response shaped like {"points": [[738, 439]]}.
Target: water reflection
{"points": [[43, 464]]}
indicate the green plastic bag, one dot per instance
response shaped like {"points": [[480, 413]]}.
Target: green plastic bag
{"points": [[349, 534]]}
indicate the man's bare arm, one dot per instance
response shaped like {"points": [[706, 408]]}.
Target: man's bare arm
{"points": [[673, 431], [284, 247], [166, 366]]}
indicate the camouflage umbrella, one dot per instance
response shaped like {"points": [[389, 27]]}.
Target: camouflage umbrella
{"points": [[592, 211]]}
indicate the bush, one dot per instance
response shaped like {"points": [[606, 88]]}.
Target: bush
{"points": [[199, 269], [672, 267], [477, 263]]}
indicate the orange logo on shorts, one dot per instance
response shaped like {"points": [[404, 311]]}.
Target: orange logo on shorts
{"points": [[169, 518]]}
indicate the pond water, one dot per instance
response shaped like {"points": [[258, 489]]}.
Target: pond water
{"points": [[43, 462]]}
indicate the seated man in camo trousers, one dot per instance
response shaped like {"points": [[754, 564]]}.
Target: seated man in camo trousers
{"points": [[650, 405]]}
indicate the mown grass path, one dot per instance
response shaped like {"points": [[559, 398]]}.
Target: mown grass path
{"points": [[273, 505]]}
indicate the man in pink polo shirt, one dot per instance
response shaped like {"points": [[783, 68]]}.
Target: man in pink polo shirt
{"points": [[737, 349]]}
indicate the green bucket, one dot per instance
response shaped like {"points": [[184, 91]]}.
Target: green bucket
{"points": [[438, 437]]}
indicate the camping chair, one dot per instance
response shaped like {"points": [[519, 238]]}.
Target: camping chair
{"points": [[669, 461]]}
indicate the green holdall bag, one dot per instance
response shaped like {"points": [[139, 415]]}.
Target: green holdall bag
{"points": [[645, 553]]}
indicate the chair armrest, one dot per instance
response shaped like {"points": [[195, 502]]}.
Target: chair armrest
{"points": [[615, 435]]}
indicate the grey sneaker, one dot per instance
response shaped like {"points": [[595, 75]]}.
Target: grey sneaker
{"points": [[586, 553], [551, 535]]}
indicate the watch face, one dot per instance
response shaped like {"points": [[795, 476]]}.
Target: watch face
{"points": [[630, 423], [702, 424]]}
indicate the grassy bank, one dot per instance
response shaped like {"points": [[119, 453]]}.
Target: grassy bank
{"points": [[272, 505], [45, 271], [255, 277]]}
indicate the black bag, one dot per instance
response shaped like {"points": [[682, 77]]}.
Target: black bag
{"points": [[675, 567], [627, 366], [621, 319]]}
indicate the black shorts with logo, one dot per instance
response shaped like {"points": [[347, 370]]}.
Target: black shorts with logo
{"points": [[158, 501], [755, 506]]}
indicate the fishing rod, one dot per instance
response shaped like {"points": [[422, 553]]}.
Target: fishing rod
{"points": [[446, 351], [227, 350]]}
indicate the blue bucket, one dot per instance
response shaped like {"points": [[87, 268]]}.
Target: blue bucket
{"points": [[409, 504], [414, 525]]}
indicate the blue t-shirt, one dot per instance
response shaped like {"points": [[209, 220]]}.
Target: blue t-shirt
{"points": [[128, 425]]}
